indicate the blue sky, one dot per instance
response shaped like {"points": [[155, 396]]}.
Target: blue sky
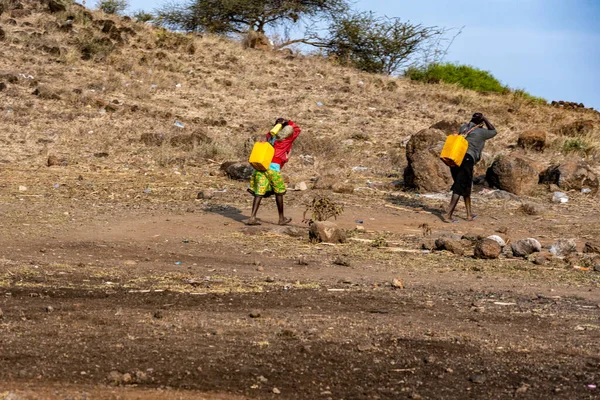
{"points": [[550, 48]]}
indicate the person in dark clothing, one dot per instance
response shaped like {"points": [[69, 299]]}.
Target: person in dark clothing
{"points": [[476, 136]]}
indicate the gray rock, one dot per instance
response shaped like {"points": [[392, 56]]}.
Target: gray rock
{"points": [[498, 239], [477, 378], [241, 171], [563, 247], [525, 247]]}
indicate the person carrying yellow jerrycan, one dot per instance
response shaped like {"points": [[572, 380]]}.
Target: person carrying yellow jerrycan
{"points": [[268, 158], [461, 152]]}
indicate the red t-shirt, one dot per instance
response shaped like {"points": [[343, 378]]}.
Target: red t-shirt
{"points": [[283, 147]]}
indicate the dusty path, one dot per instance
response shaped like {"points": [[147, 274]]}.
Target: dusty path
{"points": [[166, 297]]}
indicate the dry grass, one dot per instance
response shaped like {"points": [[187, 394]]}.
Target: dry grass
{"points": [[155, 78]]}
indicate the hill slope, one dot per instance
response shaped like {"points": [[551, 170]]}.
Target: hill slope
{"points": [[86, 88]]}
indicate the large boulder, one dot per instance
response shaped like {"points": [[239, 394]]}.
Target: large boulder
{"points": [[563, 247], [241, 171], [513, 173], [448, 127], [487, 249], [58, 5], [577, 128], [525, 247], [325, 231], [451, 245], [425, 171], [573, 174], [533, 139]]}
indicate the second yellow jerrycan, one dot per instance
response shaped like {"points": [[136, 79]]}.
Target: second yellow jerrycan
{"points": [[454, 150]]}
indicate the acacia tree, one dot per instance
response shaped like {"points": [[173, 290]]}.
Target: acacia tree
{"points": [[380, 44], [237, 16]]}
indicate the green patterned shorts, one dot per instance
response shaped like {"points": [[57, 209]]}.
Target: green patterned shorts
{"points": [[264, 184]]}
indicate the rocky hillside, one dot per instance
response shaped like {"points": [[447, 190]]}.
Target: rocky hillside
{"points": [[87, 91]]}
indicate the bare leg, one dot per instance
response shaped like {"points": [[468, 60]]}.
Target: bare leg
{"points": [[255, 206], [468, 207], [452, 206], [282, 219]]}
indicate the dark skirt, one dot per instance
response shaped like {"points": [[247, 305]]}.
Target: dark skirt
{"points": [[463, 177]]}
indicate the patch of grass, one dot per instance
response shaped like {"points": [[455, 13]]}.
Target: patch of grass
{"points": [[584, 146], [522, 95], [462, 75]]}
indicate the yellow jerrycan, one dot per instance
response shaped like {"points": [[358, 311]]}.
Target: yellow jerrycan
{"points": [[454, 150], [261, 156]]}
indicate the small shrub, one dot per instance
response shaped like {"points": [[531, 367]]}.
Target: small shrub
{"points": [[321, 209], [521, 94], [143, 16], [379, 242], [112, 6], [462, 75]]}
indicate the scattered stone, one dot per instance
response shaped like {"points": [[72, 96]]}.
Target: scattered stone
{"points": [[451, 245], [531, 208], [301, 186], [577, 128], [255, 314], [525, 247], [276, 391], [540, 259], [343, 188], [260, 269], [397, 283], [127, 378], [325, 231], [302, 260], [477, 378], [487, 249], [158, 314], [115, 378], [56, 161], [596, 268], [592, 248], [428, 244], [498, 239], [241, 171], [49, 309], [563, 247], [56, 6], [533, 139], [341, 261], [573, 174], [269, 279], [205, 195], [514, 174], [503, 230], [425, 171], [152, 139]]}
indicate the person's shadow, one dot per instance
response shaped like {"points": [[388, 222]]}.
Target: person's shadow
{"points": [[416, 203], [230, 212]]}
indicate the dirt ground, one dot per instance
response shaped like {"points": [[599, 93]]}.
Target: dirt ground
{"points": [[155, 298]]}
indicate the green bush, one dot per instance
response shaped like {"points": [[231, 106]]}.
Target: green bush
{"points": [[112, 6], [462, 75], [143, 16]]}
